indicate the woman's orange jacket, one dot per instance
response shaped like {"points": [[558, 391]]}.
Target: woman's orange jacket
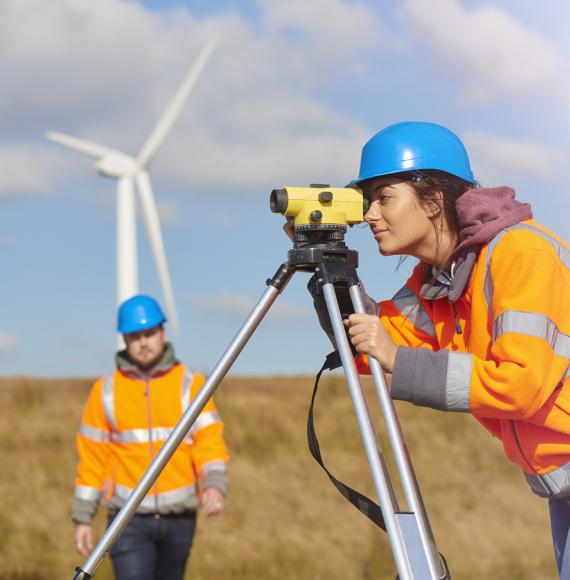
{"points": [[125, 423], [499, 350]]}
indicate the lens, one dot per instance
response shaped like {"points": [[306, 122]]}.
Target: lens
{"points": [[278, 200]]}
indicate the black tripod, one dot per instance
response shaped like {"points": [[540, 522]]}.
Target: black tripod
{"points": [[322, 251]]}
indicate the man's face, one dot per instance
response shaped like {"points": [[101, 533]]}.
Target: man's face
{"points": [[146, 347]]}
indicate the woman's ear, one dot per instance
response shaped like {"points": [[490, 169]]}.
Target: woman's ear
{"points": [[433, 205]]}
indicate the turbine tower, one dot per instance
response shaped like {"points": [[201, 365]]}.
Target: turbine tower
{"points": [[131, 173]]}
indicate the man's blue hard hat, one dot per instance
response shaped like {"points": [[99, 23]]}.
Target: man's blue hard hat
{"points": [[139, 313], [411, 146]]}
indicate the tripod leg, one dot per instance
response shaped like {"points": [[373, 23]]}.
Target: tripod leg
{"points": [[380, 477], [402, 456], [275, 287]]}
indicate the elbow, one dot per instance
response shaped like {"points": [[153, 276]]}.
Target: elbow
{"points": [[526, 398], [522, 411], [514, 397]]}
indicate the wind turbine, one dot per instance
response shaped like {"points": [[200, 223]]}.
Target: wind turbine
{"points": [[132, 173]]}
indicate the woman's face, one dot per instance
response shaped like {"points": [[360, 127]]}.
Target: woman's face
{"points": [[399, 223]]}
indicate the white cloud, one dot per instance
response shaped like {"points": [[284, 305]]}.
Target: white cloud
{"points": [[8, 343], [494, 158], [240, 306], [338, 25], [495, 53], [29, 169], [106, 70]]}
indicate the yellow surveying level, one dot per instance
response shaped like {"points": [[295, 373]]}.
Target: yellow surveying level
{"points": [[319, 205]]}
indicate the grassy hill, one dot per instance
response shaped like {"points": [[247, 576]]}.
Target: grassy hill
{"points": [[283, 517]]}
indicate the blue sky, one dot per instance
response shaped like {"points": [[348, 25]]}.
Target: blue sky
{"points": [[292, 92]]}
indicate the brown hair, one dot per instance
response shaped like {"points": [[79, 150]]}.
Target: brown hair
{"points": [[427, 184]]}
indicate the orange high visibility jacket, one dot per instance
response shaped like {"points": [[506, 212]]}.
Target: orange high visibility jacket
{"points": [[500, 350], [125, 423]]}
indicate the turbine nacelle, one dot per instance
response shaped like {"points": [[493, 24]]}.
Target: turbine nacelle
{"points": [[117, 165]]}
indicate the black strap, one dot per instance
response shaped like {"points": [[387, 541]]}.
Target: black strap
{"points": [[362, 503]]}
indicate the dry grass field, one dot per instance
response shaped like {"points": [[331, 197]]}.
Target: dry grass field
{"points": [[284, 520]]}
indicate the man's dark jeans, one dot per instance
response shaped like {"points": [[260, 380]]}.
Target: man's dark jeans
{"points": [[154, 548]]}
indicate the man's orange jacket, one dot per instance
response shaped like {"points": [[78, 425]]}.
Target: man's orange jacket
{"points": [[127, 419], [497, 347]]}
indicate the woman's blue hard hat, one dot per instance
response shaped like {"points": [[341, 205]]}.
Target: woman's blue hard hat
{"points": [[139, 313], [414, 146]]}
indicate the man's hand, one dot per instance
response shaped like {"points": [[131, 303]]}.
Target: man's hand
{"points": [[83, 539], [212, 501], [369, 336]]}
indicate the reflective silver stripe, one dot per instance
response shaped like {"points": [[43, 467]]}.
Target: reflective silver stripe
{"points": [[567, 375], [109, 401], [204, 420], [187, 380], [143, 435], [488, 289], [162, 500], [94, 434], [214, 466], [554, 485], [186, 393], [458, 381], [410, 307], [87, 493], [533, 324], [561, 250]]}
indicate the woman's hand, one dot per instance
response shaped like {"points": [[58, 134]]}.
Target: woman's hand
{"points": [[369, 336], [288, 227]]}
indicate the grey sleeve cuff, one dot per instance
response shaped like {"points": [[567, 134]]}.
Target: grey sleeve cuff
{"points": [[83, 510], [217, 478], [437, 379]]}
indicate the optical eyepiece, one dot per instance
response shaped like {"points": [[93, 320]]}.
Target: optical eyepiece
{"points": [[278, 201]]}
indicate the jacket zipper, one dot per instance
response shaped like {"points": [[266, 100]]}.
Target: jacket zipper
{"points": [[456, 318], [150, 441], [520, 446]]}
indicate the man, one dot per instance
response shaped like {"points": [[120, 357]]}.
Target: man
{"points": [[127, 419]]}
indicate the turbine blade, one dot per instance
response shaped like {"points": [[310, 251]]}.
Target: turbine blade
{"points": [[152, 222], [167, 120], [81, 145]]}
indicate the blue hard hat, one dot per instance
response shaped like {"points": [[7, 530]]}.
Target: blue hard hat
{"points": [[139, 313], [411, 146]]}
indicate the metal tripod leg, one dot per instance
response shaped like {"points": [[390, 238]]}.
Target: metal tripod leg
{"points": [[409, 534], [275, 287], [402, 458]]}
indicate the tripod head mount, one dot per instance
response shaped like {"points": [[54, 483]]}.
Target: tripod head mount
{"points": [[315, 245], [321, 250]]}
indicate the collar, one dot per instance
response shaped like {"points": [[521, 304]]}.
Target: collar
{"points": [[482, 214], [450, 284], [166, 362]]}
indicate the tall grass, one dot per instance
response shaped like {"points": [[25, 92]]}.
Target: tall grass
{"points": [[283, 518]]}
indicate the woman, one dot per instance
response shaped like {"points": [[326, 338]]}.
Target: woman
{"points": [[483, 323]]}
